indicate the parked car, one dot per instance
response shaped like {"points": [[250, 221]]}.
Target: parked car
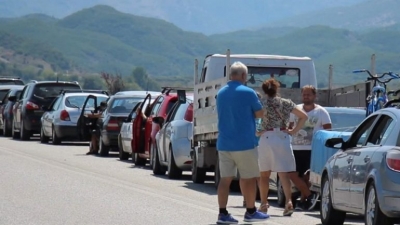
{"points": [[28, 109], [60, 119], [144, 132], [6, 80], [118, 108], [8, 94], [173, 142], [125, 136], [363, 176], [343, 119]]}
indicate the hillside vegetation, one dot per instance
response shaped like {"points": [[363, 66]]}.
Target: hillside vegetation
{"points": [[103, 39]]}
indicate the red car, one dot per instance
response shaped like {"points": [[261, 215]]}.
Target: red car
{"points": [[144, 131]]}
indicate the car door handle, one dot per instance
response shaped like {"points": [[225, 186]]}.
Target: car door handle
{"points": [[349, 160], [367, 159]]}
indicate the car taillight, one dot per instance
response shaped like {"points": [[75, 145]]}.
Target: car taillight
{"points": [[393, 164], [64, 115], [189, 113], [112, 125], [31, 105]]}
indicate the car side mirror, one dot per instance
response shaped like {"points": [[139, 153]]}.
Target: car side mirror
{"points": [[158, 120], [336, 143], [12, 98]]}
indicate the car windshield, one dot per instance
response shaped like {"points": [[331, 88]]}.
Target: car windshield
{"points": [[343, 121], [78, 101], [52, 90], [123, 105]]}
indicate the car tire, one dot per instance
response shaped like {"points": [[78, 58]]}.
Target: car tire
{"points": [[174, 172], [103, 149], [198, 174], [55, 140], [138, 160], [14, 133], [158, 169], [7, 131], [24, 133], [373, 213], [329, 215], [122, 155], [43, 138]]}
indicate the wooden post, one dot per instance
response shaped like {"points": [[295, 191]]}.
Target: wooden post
{"points": [[330, 85]]}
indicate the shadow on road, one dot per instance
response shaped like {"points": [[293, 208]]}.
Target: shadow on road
{"points": [[350, 218]]}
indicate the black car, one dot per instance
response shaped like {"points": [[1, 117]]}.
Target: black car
{"points": [[4, 80], [29, 108], [8, 95]]}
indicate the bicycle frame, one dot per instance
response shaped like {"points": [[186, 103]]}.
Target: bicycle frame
{"points": [[374, 101]]}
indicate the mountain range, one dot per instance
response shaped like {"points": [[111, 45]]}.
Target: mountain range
{"points": [[102, 38]]}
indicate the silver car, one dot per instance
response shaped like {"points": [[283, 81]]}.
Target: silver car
{"points": [[59, 122], [363, 176], [173, 140]]}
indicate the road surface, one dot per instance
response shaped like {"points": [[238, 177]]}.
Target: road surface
{"points": [[45, 184]]}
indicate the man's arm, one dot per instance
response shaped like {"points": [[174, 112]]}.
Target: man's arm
{"points": [[256, 105], [326, 120]]}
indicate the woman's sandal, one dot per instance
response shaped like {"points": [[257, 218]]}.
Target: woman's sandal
{"points": [[264, 208], [288, 209]]}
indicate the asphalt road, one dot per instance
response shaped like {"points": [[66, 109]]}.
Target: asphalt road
{"points": [[45, 184]]}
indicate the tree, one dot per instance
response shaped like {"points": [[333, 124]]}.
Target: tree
{"points": [[141, 77], [114, 82]]}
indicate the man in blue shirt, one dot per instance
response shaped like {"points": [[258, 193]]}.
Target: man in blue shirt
{"points": [[238, 106]]}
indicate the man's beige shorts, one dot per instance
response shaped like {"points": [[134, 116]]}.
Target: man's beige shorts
{"points": [[245, 162]]}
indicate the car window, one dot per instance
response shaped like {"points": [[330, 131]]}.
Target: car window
{"points": [[51, 90], [344, 121], [381, 131], [180, 112], [123, 105], [3, 93], [171, 115], [56, 104], [78, 101], [155, 109], [359, 136], [171, 104]]}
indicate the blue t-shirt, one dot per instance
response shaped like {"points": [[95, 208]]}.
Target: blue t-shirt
{"points": [[236, 105]]}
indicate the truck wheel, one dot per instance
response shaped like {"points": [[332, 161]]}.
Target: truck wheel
{"points": [[329, 215], [198, 174]]}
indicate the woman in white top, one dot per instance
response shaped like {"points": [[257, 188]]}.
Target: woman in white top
{"points": [[275, 149]]}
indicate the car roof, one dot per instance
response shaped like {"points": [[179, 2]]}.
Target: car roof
{"points": [[85, 94], [345, 110], [138, 93], [53, 82], [9, 87], [393, 110]]}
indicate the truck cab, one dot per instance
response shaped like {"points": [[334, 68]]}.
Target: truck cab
{"points": [[291, 72]]}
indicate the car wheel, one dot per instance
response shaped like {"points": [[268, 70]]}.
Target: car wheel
{"points": [[103, 149], [373, 213], [43, 137], [24, 133], [198, 174], [138, 160], [122, 155], [54, 138], [329, 215], [174, 172], [14, 133], [7, 130], [158, 169]]}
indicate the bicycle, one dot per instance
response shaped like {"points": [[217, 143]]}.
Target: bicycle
{"points": [[393, 101], [378, 96]]}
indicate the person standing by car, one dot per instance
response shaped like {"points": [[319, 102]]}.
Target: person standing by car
{"points": [[318, 119], [275, 150], [94, 148], [237, 108]]}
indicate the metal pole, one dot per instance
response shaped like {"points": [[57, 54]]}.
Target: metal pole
{"points": [[228, 64], [196, 71]]}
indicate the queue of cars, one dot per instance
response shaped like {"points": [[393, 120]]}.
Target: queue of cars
{"points": [[361, 174]]}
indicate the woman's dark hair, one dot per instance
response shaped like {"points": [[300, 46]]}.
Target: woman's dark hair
{"points": [[270, 87]]}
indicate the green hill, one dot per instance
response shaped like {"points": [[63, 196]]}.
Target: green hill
{"points": [[103, 39]]}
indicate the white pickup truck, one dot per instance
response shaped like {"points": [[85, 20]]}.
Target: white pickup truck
{"points": [[291, 72]]}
